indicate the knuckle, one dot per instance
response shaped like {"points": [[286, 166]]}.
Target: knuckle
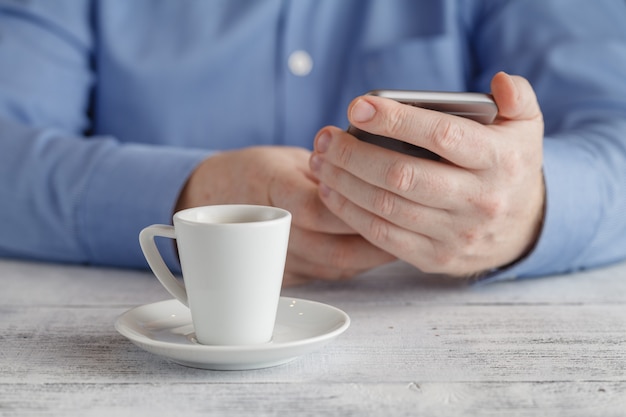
{"points": [[514, 163], [487, 205], [339, 206], [442, 262], [342, 259], [394, 121], [400, 176], [339, 257], [384, 203], [344, 155], [380, 232], [446, 134], [445, 257], [491, 206], [469, 237]]}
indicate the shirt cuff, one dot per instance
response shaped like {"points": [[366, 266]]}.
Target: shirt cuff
{"points": [[132, 187]]}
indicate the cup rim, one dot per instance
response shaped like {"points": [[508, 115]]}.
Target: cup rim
{"points": [[278, 214]]}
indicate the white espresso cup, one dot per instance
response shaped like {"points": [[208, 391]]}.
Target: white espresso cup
{"points": [[233, 260]]}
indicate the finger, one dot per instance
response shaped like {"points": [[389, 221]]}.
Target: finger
{"points": [[427, 254], [333, 256], [299, 270], [406, 214], [461, 141], [515, 98], [297, 193], [422, 181], [395, 240]]}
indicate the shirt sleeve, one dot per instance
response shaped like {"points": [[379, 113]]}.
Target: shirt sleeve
{"points": [[575, 61], [65, 195]]}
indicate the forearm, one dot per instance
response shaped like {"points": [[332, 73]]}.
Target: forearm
{"points": [[76, 199]]}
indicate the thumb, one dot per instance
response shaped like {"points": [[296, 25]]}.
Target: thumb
{"points": [[515, 97]]}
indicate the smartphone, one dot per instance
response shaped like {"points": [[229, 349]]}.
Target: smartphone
{"points": [[479, 107]]}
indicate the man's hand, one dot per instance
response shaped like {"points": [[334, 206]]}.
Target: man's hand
{"points": [[320, 245], [479, 208]]}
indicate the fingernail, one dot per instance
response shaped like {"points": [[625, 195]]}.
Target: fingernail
{"points": [[323, 142], [362, 111]]}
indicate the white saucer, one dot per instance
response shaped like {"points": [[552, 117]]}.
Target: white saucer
{"points": [[165, 329]]}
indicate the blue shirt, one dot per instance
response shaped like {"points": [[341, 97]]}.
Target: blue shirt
{"points": [[107, 106]]}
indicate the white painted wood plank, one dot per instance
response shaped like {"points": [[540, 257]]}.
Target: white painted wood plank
{"points": [[26, 283], [417, 346], [408, 342], [161, 398]]}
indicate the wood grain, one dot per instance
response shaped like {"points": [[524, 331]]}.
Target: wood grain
{"points": [[418, 345]]}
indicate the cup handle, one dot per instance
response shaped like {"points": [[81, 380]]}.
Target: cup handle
{"points": [[162, 272]]}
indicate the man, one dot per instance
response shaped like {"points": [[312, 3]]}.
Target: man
{"points": [[114, 114]]}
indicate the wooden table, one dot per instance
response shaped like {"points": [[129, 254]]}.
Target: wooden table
{"points": [[416, 346]]}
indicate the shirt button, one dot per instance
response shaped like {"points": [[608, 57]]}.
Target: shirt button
{"points": [[300, 63]]}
